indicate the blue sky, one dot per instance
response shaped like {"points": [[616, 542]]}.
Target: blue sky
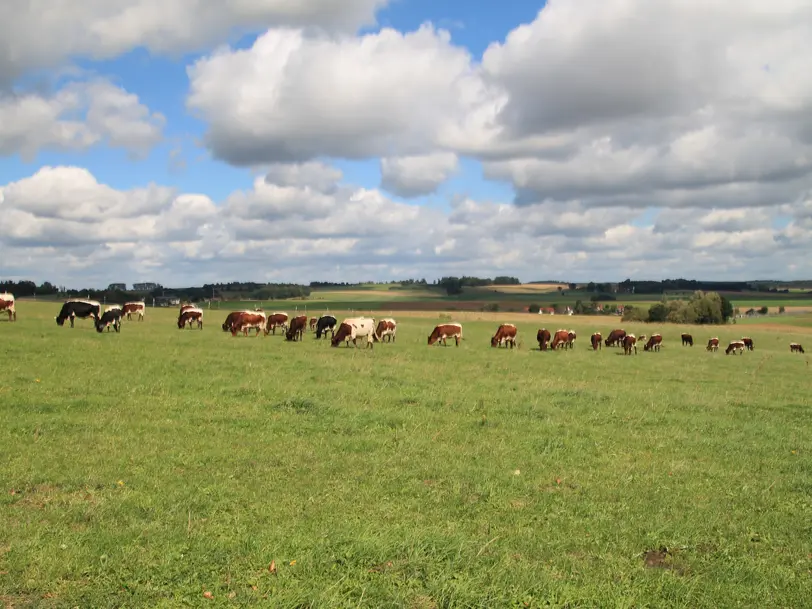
{"points": [[610, 121]]}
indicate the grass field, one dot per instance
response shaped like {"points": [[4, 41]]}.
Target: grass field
{"points": [[169, 468]]}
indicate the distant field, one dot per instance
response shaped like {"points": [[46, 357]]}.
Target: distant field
{"points": [[151, 467]]}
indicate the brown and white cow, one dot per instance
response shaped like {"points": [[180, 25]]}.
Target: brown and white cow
{"points": [[242, 321], [615, 338], [543, 337], [735, 345], [571, 336], [185, 307], [748, 343], [7, 305], [505, 335], [629, 343], [297, 327], [596, 340], [313, 322], [353, 328], [641, 338], [134, 307], [653, 343], [443, 331], [190, 316], [561, 338], [713, 344], [277, 319], [387, 327], [796, 348], [687, 339]]}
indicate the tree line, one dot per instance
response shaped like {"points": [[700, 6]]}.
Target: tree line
{"points": [[701, 308]]}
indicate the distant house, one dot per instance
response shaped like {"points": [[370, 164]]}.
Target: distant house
{"points": [[117, 286], [166, 301], [145, 287], [568, 311], [620, 309]]}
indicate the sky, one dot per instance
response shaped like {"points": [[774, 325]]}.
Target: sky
{"points": [[187, 142]]}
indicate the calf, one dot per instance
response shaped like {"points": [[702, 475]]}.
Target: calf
{"points": [[313, 322], [245, 320], [560, 339], [505, 335], [354, 328], [386, 327], [713, 344], [326, 322], [277, 319], [7, 305], [443, 331], [190, 316], [543, 338], [735, 345], [748, 343], [134, 307], [687, 339], [629, 343], [82, 309], [596, 341], [297, 328], [615, 338], [111, 317], [653, 343], [796, 348]]}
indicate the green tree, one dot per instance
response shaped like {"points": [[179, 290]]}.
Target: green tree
{"points": [[763, 310], [658, 312], [781, 309]]}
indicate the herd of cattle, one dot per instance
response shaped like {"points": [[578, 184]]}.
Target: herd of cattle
{"points": [[365, 328]]}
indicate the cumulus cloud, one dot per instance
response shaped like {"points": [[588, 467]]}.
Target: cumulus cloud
{"points": [[414, 176], [43, 34], [76, 117]]}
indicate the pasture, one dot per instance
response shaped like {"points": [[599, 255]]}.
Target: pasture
{"points": [[161, 467]]}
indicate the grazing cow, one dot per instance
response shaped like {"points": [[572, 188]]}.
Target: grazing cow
{"points": [[687, 339], [596, 341], [78, 308], [560, 339], [245, 320], [543, 337], [352, 329], [313, 322], [386, 327], [505, 335], [190, 316], [615, 338], [796, 348], [748, 343], [326, 322], [735, 345], [186, 307], [713, 344], [641, 338], [571, 336], [297, 328], [277, 319], [653, 343], [629, 343], [111, 317], [443, 331], [231, 318], [134, 307], [7, 305]]}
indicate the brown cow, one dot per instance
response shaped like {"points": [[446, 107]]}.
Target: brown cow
{"points": [[134, 307], [244, 320], [186, 307], [505, 334], [560, 339], [443, 331], [629, 343], [735, 345], [596, 341], [297, 328], [7, 305], [543, 338], [571, 336], [615, 338], [313, 321], [713, 344], [190, 316], [653, 343], [796, 348], [641, 338], [277, 319], [687, 339], [748, 343], [386, 327]]}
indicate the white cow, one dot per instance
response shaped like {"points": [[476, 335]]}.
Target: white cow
{"points": [[7, 305], [353, 328]]}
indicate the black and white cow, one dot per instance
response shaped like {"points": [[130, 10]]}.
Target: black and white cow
{"points": [[78, 308], [326, 322], [111, 317]]}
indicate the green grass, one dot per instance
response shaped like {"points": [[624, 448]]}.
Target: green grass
{"points": [[146, 468]]}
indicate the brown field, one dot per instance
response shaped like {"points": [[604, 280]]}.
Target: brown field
{"points": [[527, 288]]}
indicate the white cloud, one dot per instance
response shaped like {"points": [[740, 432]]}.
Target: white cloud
{"points": [[414, 176], [76, 117], [44, 34]]}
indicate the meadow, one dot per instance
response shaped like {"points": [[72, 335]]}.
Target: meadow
{"points": [[165, 468]]}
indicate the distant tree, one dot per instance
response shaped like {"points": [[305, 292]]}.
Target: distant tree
{"points": [[763, 310], [781, 309], [727, 309], [631, 313], [658, 312], [533, 308], [573, 287], [590, 287]]}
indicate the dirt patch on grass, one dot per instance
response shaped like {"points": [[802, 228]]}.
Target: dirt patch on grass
{"points": [[662, 558]]}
